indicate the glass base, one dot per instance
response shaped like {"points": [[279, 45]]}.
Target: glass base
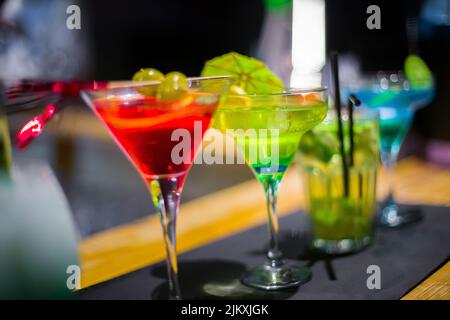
{"points": [[267, 277], [341, 246], [392, 217]]}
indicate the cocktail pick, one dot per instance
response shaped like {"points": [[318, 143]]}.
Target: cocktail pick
{"points": [[337, 105]]}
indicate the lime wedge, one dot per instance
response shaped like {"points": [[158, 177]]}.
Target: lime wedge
{"points": [[322, 147], [251, 75], [417, 72]]}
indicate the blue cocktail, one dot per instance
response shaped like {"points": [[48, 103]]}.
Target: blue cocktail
{"points": [[396, 100]]}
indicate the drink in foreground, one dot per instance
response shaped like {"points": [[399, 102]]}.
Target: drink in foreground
{"points": [[267, 129], [143, 122], [341, 222]]}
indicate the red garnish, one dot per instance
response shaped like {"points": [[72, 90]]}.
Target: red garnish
{"points": [[34, 128]]}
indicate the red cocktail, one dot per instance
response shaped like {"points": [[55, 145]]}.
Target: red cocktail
{"points": [[160, 134], [147, 130]]}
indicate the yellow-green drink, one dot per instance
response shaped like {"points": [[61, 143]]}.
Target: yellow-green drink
{"points": [[5, 147], [341, 222], [266, 124], [267, 129]]}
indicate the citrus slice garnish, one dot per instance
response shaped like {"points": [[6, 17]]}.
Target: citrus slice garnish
{"points": [[417, 72]]}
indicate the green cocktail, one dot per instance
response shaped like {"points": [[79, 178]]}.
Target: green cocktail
{"points": [[342, 222], [267, 129]]}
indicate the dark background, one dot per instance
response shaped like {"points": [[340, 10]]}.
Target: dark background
{"points": [[183, 34], [170, 35]]}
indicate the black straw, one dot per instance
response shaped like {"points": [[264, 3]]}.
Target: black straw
{"points": [[337, 104], [350, 124], [352, 101]]}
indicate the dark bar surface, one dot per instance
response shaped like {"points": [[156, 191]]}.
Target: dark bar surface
{"points": [[405, 256]]}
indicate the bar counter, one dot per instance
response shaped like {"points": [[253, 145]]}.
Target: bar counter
{"points": [[129, 247]]}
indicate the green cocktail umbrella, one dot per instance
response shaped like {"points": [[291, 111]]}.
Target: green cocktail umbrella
{"points": [[252, 75]]}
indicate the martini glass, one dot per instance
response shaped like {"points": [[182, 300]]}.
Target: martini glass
{"points": [[267, 129], [397, 100], [149, 131]]}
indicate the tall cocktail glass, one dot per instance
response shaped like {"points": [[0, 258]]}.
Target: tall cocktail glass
{"points": [[267, 129], [149, 131]]}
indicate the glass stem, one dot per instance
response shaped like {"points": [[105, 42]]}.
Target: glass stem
{"points": [[274, 255], [166, 194], [389, 161]]}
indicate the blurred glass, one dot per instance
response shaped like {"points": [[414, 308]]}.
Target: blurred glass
{"points": [[396, 98], [342, 219], [436, 12], [5, 143], [36, 43], [38, 239], [5, 147], [275, 43]]}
